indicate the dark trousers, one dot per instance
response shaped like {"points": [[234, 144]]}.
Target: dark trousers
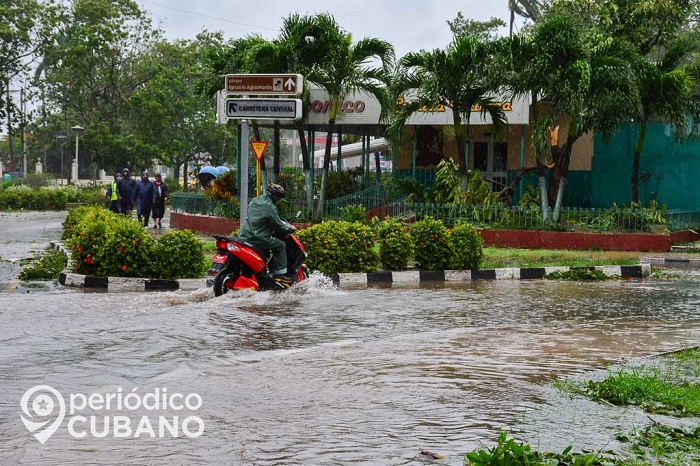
{"points": [[143, 211], [125, 206], [114, 206], [158, 210]]}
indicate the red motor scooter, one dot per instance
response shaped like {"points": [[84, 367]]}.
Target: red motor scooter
{"points": [[241, 265]]}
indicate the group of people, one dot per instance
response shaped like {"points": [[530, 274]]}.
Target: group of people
{"points": [[148, 196]]}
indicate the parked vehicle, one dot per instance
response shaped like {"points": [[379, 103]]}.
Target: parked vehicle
{"points": [[241, 265]]}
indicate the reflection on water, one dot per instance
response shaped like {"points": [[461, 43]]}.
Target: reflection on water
{"points": [[323, 376]]}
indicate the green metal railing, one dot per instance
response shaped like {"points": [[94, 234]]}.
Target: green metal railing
{"points": [[496, 216], [369, 198]]}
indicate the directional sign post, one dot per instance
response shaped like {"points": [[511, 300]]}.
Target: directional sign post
{"points": [[263, 109], [259, 149], [264, 84]]}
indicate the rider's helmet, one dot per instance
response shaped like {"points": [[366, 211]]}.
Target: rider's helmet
{"points": [[275, 191], [125, 171]]}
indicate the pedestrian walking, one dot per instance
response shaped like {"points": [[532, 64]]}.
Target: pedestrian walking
{"points": [[143, 198], [112, 193], [125, 190], [161, 193]]}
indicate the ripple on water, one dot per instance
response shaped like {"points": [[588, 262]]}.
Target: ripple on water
{"points": [[318, 375]]}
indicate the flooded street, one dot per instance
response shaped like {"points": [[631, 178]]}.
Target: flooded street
{"points": [[324, 376]]}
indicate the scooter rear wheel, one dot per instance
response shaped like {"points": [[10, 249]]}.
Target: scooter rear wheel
{"points": [[221, 280]]}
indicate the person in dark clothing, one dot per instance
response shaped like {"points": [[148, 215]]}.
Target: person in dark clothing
{"points": [[160, 197], [112, 195], [261, 223], [125, 189], [143, 197]]}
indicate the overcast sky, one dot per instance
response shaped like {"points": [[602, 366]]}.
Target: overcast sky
{"points": [[410, 25]]}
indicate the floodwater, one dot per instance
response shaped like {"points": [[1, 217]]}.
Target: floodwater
{"points": [[324, 376]]}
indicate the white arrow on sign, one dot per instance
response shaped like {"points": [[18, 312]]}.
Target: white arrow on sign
{"points": [[290, 84]]}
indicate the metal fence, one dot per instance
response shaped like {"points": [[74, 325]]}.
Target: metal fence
{"points": [[618, 219]]}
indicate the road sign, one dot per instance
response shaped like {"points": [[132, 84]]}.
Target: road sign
{"points": [[263, 109], [264, 84], [259, 148]]}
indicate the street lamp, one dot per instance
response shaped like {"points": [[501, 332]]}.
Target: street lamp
{"points": [[78, 131], [62, 138]]}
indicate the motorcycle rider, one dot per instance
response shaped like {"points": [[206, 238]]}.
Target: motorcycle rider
{"points": [[261, 223]]}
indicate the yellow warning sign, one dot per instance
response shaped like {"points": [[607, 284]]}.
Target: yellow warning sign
{"points": [[259, 148]]}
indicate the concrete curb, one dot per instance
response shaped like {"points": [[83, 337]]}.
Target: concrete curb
{"points": [[671, 262], [406, 277], [453, 276]]}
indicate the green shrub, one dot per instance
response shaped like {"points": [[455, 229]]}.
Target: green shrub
{"points": [[431, 248], [395, 245], [46, 267], [466, 247], [107, 244], [178, 254], [75, 215], [336, 247], [47, 198], [127, 250], [88, 238], [353, 213]]}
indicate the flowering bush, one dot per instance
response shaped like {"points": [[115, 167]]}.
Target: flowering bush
{"points": [[340, 246], [432, 251], [466, 247], [107, 244], [395, 245]]}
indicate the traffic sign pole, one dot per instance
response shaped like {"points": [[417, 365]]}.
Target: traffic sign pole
{"points": [[244, 172]]}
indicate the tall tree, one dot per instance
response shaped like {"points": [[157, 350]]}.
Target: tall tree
{"points": [[342, 67], [24, 30], [91, 70], [462, 77], [171, 119], [586, 81]]}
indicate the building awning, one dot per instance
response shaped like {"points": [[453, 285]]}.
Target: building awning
{"points": [[354, 149]]}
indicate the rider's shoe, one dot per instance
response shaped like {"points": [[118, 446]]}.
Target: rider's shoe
{"points": [[283, 280]]}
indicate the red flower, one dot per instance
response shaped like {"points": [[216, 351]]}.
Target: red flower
{"points": [[124, 268]]}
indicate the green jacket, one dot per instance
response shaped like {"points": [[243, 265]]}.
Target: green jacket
{"points": [[262, 221]]}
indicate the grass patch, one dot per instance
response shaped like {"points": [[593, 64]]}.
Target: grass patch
{"points": [[498, 258], [45, 267], [579, 274]]}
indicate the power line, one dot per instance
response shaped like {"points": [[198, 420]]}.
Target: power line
{"points": [[209, 16]]}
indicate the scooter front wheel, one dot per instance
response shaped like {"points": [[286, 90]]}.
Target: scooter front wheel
{"points": [[221, 280]]}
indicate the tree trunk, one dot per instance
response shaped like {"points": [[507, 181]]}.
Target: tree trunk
{"points": [[10, 139], [177, 170], [308, 181], [276, 154], [324, 172], [185, 186], [560, 199], [543, 193], [636, 159], [378, 167], [461, 143], [560, 174]]}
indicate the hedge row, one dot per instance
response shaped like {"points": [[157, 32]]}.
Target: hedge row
{"points": [[341, 246], [111, 245], [42, 198]]}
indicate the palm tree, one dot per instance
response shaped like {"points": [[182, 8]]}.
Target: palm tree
{"points": [[667, 92], [584, 78], [528, 9], [461, 77], [341, 67]]}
